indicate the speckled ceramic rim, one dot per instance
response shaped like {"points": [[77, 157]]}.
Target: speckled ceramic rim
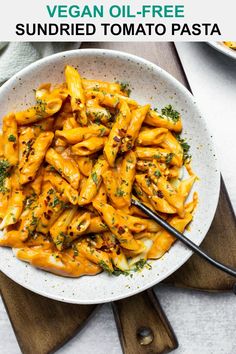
{"points": [[189, 97], [223, 49]]}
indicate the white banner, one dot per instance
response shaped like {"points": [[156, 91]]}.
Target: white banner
{"points": [[118, 20]]}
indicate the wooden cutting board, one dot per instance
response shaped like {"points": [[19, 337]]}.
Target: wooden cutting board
{"points": [[42, 325]]}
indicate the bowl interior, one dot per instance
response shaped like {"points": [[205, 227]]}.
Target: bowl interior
{"points": [[149, 84]]}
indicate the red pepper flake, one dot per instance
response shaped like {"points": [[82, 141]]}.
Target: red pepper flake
{"points": [[121, 230], [117, 139]]}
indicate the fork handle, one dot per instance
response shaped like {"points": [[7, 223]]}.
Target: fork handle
{"points": [[184, 239]]}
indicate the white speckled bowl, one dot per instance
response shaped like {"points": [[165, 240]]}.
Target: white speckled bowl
{"points": [[221, 47], [149, 83]]}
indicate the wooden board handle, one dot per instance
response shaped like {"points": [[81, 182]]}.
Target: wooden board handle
{"points": [[142, 325]]}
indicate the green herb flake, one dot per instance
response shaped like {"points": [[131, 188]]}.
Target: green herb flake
{"points": [[169, 112], [119, 192], [34, 221], [104, 266], [11, 138], [125, 87], [169, 157], [157, 173], [95, 177], [140, 264], [41, 108], [185, 146], [102, 132]]}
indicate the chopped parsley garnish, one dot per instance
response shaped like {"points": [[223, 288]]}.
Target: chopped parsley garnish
{"points": [[157, 173], [185, 146], [169, 112], [169, 157], [119, 192], [117, 272], [104, 266], [124, 86], [41, 108], [140, 264], [4, 173], [29, 200], [102, 132], [12, 138], [95, 177], [55, 202], [34, 221]]}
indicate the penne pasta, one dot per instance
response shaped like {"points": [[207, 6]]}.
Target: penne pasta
{"points": [[65, 166], [35, 157], [69, 167]]}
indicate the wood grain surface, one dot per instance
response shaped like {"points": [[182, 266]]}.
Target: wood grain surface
{"points": [[42, 325], [142, 314]]}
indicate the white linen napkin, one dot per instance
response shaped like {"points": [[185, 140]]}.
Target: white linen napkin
{"points": [[14, 56]]}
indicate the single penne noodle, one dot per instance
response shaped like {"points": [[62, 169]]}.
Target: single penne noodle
{"points": [[52, 209], [149, 137], [137, 117], [85, 164], [15, 205], [165, 240], [119, 260], [54, 262], [37, 153], [89, 146], [76, 92], [155, 120], [117, 132], [92, 183], [127, 175], [67, 192], [111, 87], [76, 135], [79, 225], [26, 140], [185, 186], [172, 144], [10, 139], [41, 111], [59, 230], [137, 224], [159, 154], [171, 195], [113, 189], [66, 167]]}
